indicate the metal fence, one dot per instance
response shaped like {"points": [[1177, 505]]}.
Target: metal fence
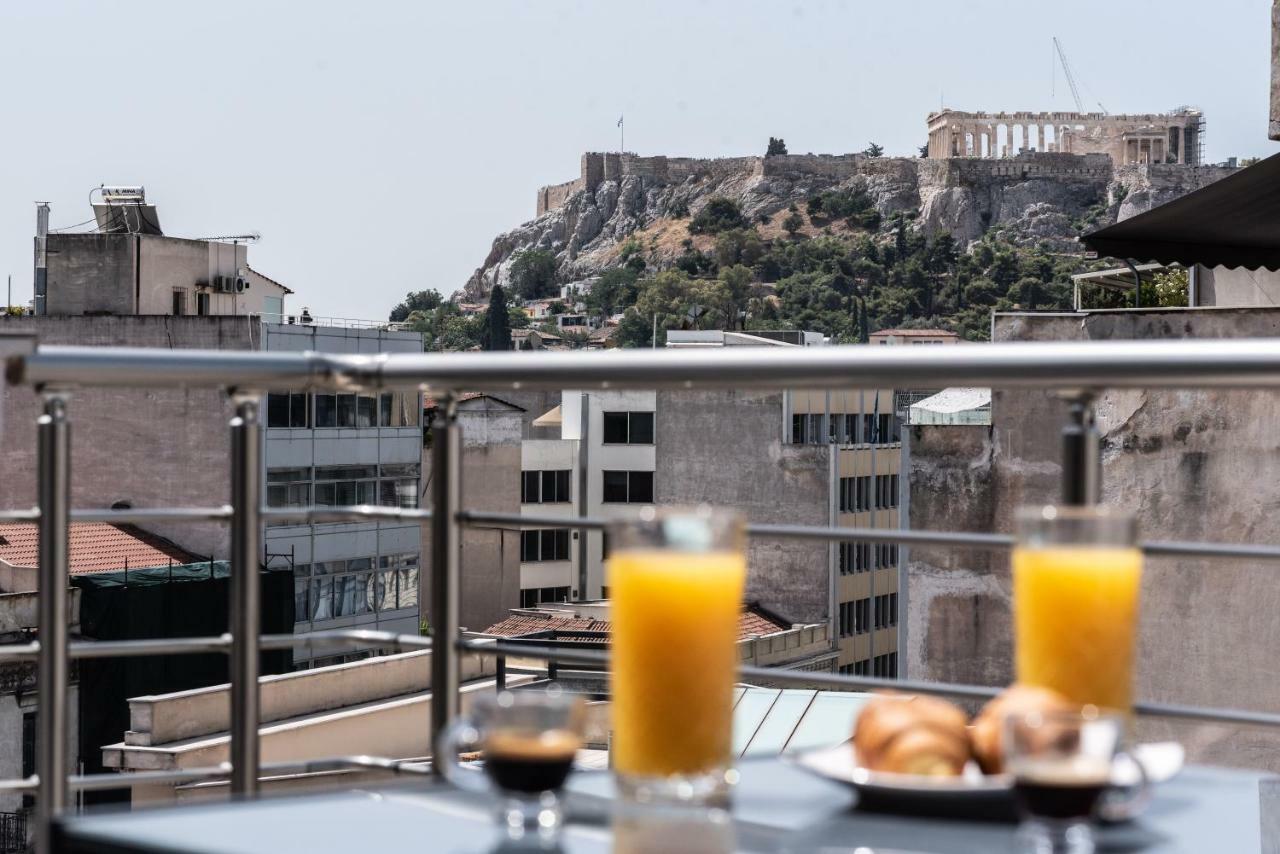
{"points": [[1077, 370]]}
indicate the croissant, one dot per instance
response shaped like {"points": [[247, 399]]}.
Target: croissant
{"points": [[987, 734], [912, 735]]}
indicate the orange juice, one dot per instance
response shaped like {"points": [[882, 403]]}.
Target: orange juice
{"points": [[675, 632], [1075, 614]]}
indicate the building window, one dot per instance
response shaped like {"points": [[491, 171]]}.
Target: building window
{"points": [[855, 494], [886, 555], [545, 487], [397, 409], [628, 487], [289, 487], [179, 301], [534, 596], [347, 410], [886, 610], [862, 616], [342, 486], [885, 666], [343, 588], [798, 432], [398, 484], [886, 490], [202, 303], [285, 409], [628, 428], [544, 544], [28, 753]]}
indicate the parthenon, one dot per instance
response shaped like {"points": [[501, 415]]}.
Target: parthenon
{"points": [[1127, 139]]}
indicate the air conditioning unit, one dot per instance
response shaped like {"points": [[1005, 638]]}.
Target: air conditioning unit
{"points": [[230, 284]]}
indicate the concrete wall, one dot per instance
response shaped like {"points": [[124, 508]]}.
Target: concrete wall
{"points": [[1273, 129], [726, 448], [1225, 287], [490, 557], [92, 274], [1194, 465], [150, 448]]}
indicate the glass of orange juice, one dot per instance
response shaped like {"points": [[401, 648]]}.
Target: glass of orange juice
{"points": [[675, 582], [1076, 575]]}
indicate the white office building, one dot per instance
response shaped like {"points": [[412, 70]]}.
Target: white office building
{"points": [[343, 449]]}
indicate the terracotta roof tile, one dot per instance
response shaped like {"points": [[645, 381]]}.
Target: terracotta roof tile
{"points": [[94, 547], [525, 622]]}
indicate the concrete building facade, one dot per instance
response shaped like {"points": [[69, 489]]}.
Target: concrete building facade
{"points": [[340, 449], [105, 274], [603, 465], [1127, 139], [1194, 465]]}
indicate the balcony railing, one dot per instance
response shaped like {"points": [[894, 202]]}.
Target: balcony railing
{"points": [[1077, 370]]}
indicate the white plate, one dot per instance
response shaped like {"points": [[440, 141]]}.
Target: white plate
{"points": [[972, 793]]}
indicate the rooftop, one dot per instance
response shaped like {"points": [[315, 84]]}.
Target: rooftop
{"points": [[94, 547], [755, 621], [916, 333]]}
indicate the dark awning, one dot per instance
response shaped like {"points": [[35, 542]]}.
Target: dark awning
{"points": [[1234, 222]]}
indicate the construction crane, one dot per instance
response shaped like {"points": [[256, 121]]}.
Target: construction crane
{"points": [[1071, 78]]}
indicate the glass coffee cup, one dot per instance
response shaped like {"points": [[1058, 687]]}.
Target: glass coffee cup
{"points": [[527, 741], [1063, 766]]}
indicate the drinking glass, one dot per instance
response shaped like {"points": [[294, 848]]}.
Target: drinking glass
{"points": [[527, 740], [1062, 764], [675, 582], [1076, 574]]}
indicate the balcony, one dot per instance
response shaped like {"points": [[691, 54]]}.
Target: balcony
{"points": [[776, 804]]}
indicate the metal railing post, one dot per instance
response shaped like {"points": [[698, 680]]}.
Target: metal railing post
{"points": [[246, 536], [52, 670], [446, 540], [1081, 453]]}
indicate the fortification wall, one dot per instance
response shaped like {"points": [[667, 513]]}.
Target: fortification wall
{"points": [[555, 195], [838, 166]]}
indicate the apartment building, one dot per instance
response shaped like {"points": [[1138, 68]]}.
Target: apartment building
{"points": [[602, 464], [128, 266], [128, 284]]}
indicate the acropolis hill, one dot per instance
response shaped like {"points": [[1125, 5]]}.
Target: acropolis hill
{"points": [[1116, 166]]}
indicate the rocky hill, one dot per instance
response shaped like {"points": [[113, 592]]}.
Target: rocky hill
{"points": [[1040, 199]]}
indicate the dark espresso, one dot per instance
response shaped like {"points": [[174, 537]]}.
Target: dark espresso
{"points": [[529, 762], [1064, 790]]}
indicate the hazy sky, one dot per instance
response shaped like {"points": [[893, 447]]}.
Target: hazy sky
{"points": [[380, 146]]}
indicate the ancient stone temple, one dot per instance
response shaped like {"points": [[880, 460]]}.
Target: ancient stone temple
{"points": [[1127, 139]]}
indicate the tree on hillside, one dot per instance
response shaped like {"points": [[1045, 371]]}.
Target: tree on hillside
{"points": [[776, 147], [717, 215], [873, 150], [612, 292], [793, 223], [533, 274], [415, 301], [728, 293], [924, 150], [498, 329]]}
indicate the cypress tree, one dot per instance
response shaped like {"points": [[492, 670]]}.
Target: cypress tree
{"points": [[498, 325]]}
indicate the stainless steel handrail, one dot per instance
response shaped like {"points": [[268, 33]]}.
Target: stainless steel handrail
{"points": [[1242, 363], [1061, 366]]}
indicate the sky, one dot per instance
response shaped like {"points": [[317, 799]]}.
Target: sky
{"points": [[380, 146]]}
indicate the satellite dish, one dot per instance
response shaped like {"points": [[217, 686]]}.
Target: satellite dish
{"points": [[695, 311]]}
